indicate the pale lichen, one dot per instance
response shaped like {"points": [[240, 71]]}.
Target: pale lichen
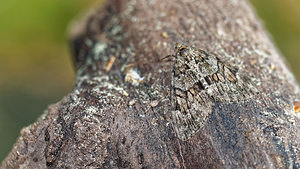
{"points": [[133, 77]]}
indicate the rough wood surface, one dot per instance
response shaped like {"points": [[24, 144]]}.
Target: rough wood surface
{"points": [[108, 121]]}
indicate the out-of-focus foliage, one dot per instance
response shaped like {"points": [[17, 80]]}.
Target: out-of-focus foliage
{"points": [[282, 20], [35, 65]]}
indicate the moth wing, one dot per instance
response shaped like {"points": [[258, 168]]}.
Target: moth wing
{"points": [[191, 105]]}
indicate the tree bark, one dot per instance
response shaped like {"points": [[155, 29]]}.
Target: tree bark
{"points": [[118, 114]]}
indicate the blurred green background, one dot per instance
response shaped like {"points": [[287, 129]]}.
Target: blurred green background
{"points": [[35, 65]]}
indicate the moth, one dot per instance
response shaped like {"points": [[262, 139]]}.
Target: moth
{"points": [[199, 79]]}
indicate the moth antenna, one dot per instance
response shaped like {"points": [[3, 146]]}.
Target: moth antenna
{"points": [[167, 58]]}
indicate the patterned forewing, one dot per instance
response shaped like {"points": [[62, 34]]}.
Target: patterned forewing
{"points": [[199, 80]]}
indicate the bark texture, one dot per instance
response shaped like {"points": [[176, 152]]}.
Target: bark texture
{"points": [[112, 120]]}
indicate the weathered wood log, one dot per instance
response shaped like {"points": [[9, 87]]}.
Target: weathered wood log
{"points": [[119, 115]]}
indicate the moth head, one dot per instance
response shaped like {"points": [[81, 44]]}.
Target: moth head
{"points": [[181, 50]]}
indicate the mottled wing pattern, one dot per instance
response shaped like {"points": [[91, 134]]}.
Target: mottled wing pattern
{"points": [[199, 80]]}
